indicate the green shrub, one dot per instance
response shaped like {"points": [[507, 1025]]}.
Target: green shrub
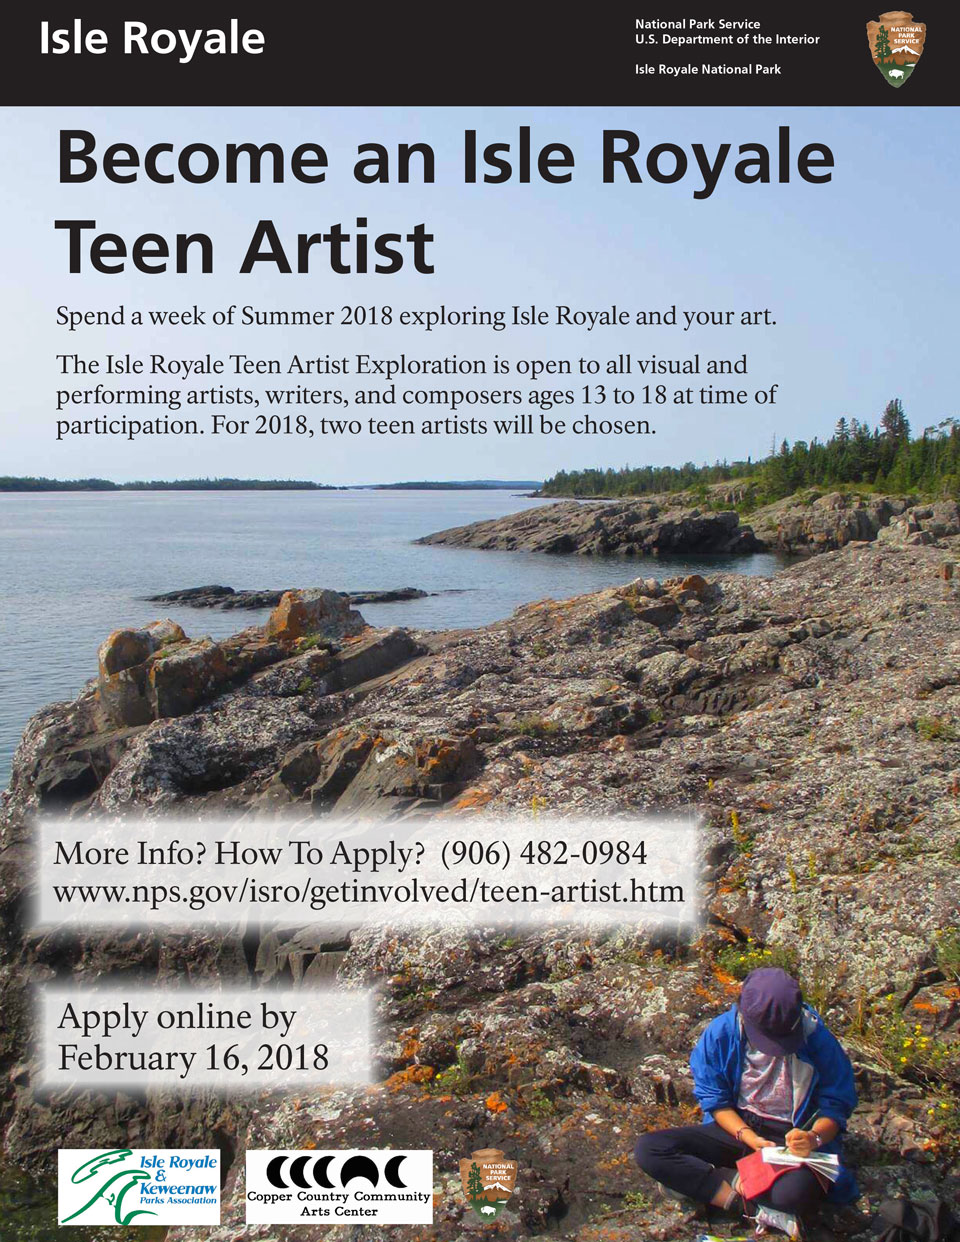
{"points": [[948, 952], [900, 1046], [315, 642], [454, 1080], [936, 729], [539, 1105], [739, 959]]}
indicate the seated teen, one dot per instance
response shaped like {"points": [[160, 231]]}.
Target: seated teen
{"points": [[766, 1073]]}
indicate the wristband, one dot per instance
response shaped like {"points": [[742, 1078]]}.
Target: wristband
{"points": [[740, 1131]]}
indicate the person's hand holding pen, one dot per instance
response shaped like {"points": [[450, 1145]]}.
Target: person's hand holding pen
{"points": [[806, 1142], [801, 1142]]}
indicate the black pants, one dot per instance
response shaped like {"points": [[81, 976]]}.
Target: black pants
{"points": [[695, 1160]]}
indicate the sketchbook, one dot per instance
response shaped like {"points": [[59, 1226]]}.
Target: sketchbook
{"points": [[823, 1163]]}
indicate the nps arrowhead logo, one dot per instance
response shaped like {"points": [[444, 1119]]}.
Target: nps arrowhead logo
{"points": [[488, 1179], [896, 44]]}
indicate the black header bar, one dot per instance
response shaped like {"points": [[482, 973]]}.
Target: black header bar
{"points": [[523, 53]]}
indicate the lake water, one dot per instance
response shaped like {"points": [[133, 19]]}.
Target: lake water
{"points": [[74, 566]]}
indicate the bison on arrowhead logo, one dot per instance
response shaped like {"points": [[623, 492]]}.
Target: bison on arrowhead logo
{"points": [[488, 1179], [896, 44]]}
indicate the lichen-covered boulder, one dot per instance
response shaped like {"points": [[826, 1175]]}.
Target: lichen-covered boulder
{"points": [[156, 673], [122, 679], [125, 648], [303, 613], [178, 682], [328, 766], [406, 769]]}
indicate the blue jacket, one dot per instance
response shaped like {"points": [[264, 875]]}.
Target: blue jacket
{"points": [[823, 1080]]}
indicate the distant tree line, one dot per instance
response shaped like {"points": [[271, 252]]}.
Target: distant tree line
{"points": [[11, 483], [884, 458], [464, 485]]}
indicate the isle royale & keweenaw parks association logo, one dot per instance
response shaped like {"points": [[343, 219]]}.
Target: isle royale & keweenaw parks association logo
{"points": [[105, 1184], [896, 44]]}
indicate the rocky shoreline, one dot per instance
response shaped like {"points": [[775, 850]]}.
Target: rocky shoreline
{"points": [[811, 716], [799, 525], [226, 598]]}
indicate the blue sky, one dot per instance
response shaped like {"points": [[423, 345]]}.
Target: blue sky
{"points": [[860, 274]]}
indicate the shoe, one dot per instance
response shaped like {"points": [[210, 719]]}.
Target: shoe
{"points": [[769, 1218]]}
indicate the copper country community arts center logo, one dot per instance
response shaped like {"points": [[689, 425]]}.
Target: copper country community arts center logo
{"points": [[896, 44], [488, 1179]]}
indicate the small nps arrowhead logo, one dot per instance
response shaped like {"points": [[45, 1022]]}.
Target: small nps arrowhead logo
{"points": [[488, 1179], [896, 44]]}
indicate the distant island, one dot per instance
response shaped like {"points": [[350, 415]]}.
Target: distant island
{"points": [[28, 483], [465, 485], [12, 483]]}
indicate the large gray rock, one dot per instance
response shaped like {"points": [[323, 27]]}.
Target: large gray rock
{"points": [[804, 524], [924, 524], [801, 524], [227, 598], [623, 528]]}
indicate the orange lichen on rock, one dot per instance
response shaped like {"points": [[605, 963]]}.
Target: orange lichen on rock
{"points": [[301, 613], [472, 799], [728, 982], [412, 1074]]}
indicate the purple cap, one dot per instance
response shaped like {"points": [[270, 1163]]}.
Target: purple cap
{"points": [[771, 1005]]}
